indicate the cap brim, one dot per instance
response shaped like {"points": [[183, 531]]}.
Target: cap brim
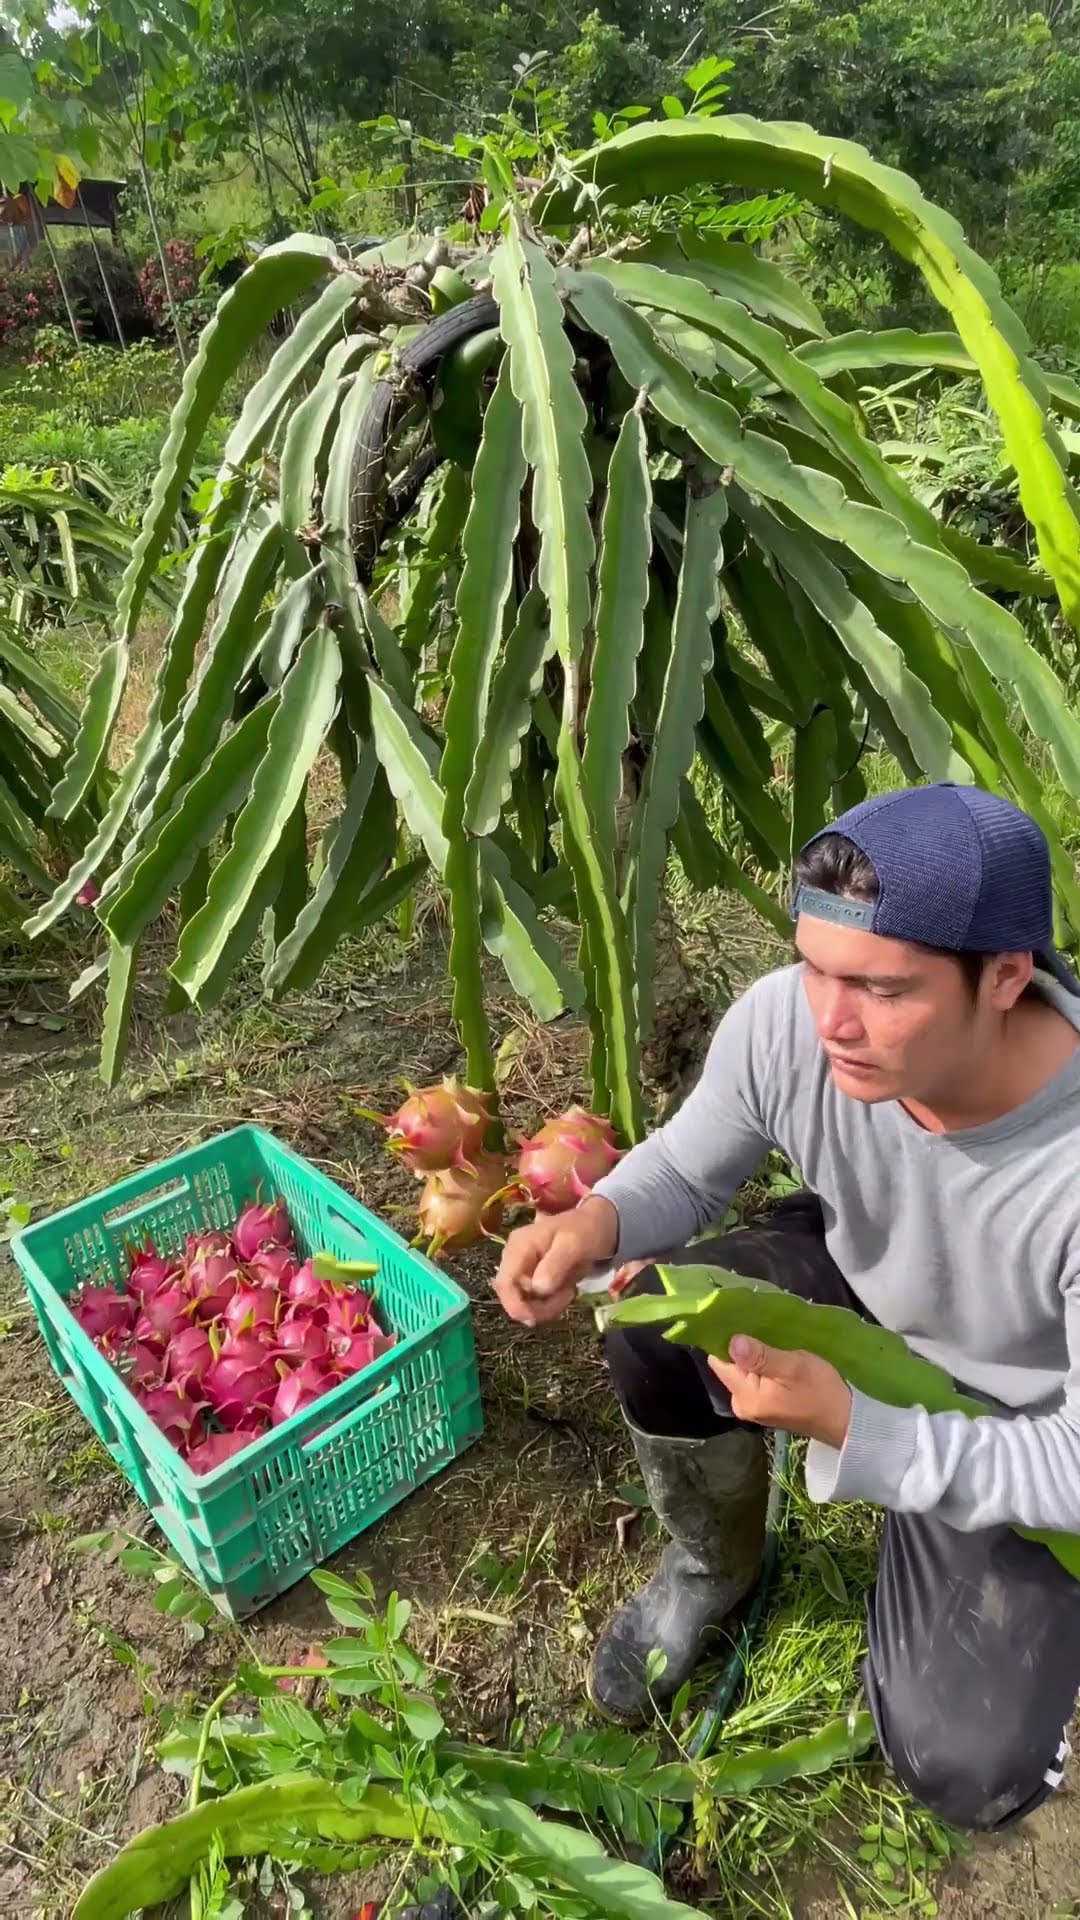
{"points": [[1050, 962]]}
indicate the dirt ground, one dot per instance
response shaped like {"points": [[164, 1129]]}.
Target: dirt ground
{"points": [[524, 1525]]}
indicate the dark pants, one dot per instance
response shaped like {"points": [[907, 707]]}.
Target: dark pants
{"points": [[973, 1661]]}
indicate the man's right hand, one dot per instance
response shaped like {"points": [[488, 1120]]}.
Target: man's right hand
{"points": [[543, 1263]]}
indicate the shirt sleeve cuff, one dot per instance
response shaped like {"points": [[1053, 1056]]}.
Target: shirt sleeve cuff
{"points": [[873, 1460], [632, 1243]]}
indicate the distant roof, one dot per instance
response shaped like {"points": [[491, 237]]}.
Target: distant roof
{"points": [[94, 204]]}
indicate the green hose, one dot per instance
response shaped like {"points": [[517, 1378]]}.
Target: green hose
{"points": [[721, 1697]]}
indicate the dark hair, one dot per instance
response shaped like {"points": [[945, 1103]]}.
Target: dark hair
{"points": [[836, 865]]}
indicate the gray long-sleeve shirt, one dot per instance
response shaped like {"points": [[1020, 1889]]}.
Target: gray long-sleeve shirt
{"points": [[967, 1243]]}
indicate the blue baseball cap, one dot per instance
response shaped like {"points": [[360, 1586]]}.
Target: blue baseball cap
{"points": [[957, 868]]}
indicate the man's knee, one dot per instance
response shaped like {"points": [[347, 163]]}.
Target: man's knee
{"points": [[968, 1774], [664, 1388]]}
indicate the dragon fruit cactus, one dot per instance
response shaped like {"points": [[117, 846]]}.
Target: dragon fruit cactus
{"points": [[438, 1127], [459, 1205], [561, 1164]]}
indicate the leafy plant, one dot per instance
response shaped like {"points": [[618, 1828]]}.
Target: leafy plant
{"points": [[58, 548], [706, 1306], [332, 1785], [176, 1593], [632, 518]]}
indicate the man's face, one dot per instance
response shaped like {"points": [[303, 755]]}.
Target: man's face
{"points": [[896, 1021]]}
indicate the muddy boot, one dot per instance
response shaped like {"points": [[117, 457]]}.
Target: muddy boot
{"points": [[711, 1496]]}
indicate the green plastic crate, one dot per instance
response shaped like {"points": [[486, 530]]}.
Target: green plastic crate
{"points": [[264, 1519]]}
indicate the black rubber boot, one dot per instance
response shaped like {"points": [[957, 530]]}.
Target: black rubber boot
{"points": [[711, 1496]]}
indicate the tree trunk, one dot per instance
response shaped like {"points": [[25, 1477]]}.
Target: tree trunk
{"points": [[55, 258], [104, 276], [159, 248], [253, 108]]}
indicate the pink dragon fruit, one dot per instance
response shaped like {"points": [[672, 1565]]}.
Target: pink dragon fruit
{"points": [[298, 1390], [212, 1278], [306, 1291], [144, 1365], [259, 1227], [103, 1312], [214, 1240], [164, 1313], [149, 1271], [176, 1412], [301, 1338], [314, 1660], [352, 1352], [272, 1266], [346, 1311], [219, 1447], [438, 1127], [188, 1356], [149, 1337], [241, 1383], [561, 1164], [252, 1309]]}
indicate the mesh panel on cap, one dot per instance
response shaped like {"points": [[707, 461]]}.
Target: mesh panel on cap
{"points": [[1015, 907], [927, 856], [957, 867]]}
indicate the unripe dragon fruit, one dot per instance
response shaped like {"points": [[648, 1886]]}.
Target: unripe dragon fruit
{"points": [[103, 1312], [459, 1205], [561, 1164], [438, 1127], [259, 1227], [298, 1390]]}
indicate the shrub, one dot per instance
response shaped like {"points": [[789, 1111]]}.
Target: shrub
{"points": [[87, 293], [194, 305], [30, 298]]}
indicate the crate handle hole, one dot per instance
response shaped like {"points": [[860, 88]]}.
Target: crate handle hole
{"points": [[157, 1196], [340, 1223], [382, 1398]]}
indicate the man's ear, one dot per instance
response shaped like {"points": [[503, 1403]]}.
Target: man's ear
{"points": [[1009, 977]]}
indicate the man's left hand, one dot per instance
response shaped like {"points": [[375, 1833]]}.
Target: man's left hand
{"points": [[796, 1392]]}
